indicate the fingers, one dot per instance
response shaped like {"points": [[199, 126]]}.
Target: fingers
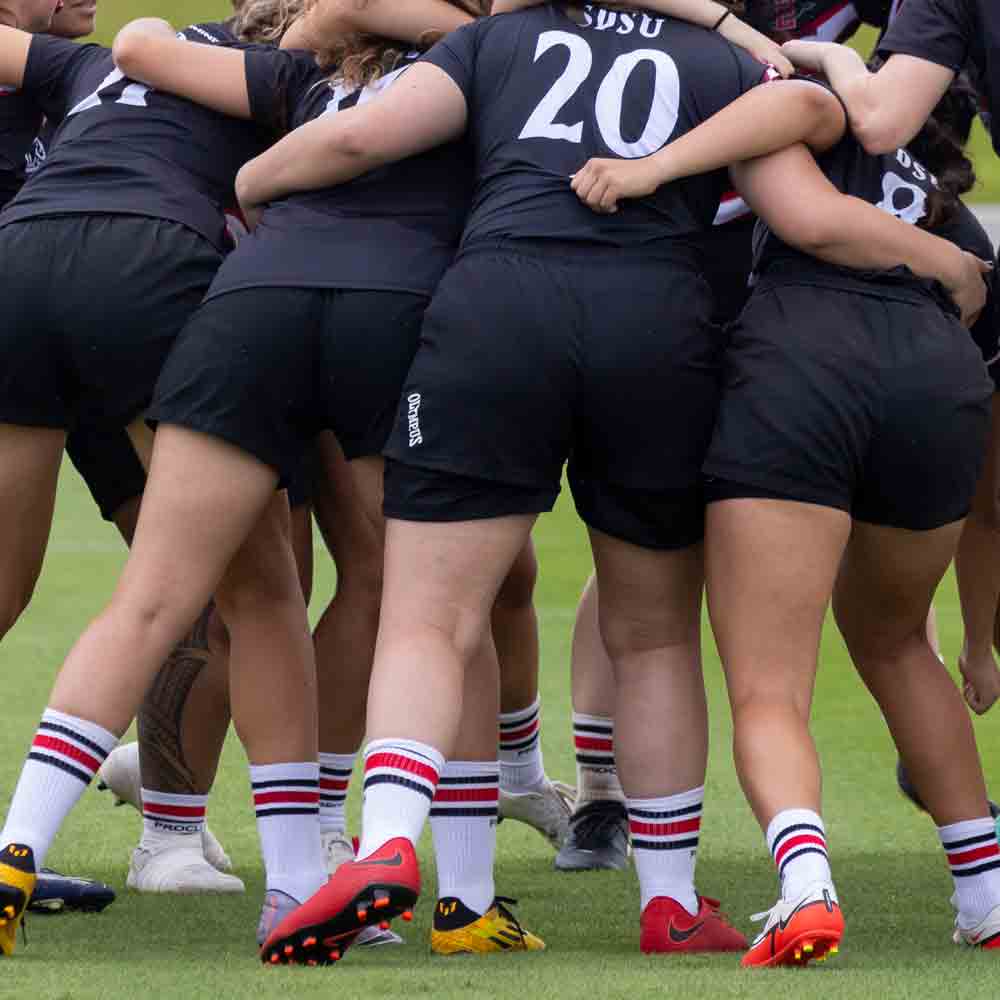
{"points": [[595, 188], [985, 266], [805, 55], [778, 60]]}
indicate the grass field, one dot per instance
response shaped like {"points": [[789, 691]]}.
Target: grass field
{"points": [[892, 877], [893, 880]]}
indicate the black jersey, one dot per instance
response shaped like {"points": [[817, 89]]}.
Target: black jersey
{"points": [[957, 34], [20, 120], [893, 182], [823, 20], [545, 94], [395, 229], [123, 148]]}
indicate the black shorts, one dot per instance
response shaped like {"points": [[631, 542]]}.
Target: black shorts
{"points": [[728, 260], [109, 466], [875, 402], [986, 330], [531, 354], [267, 369], [92, 305]]}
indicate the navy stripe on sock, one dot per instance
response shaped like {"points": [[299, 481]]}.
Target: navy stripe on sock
{"points": [[396, 779], [663, 845], [798, 854], [476, 779], [51, 727], [664, 813], [531, 741], [794, 828], [969, 841], [289, 811], [586, 759], [464, 811], [600, 730], [288, 783], [337, 772], [43, 758], [521, 723], [978, 870]]}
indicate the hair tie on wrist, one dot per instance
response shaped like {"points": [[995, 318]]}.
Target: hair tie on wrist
{"points": [[718, 24]]}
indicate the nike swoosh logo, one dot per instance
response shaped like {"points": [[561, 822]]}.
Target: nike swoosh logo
{"points": [[394, 862], [825, 901], [678, 936]]}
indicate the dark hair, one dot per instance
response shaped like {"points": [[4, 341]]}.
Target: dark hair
{"points": [[940, 147]]}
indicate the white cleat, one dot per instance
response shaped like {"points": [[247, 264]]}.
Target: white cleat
{"points": [[338, 848], [547, 809], [178, 869], [985, 934], [120, 775]]}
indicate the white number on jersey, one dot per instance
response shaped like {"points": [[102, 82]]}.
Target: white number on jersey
{"points": [[134, 94], [610, 95]]}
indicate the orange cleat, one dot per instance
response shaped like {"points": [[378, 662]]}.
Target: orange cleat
{"points": [[799, 931], [666, 927], [359, 893]]}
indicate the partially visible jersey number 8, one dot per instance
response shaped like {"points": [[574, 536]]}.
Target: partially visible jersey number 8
{"points": [[663, 113]]}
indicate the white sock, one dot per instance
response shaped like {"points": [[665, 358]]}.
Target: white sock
{"points": [[665, 845], [65, 754], [596, 773], [464, 826], [974, 860], [169, 819], [400, 779], [286, 800], [521, 766], [796, 839], [335, 771]]}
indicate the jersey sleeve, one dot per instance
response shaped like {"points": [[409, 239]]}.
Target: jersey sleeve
{"points": [[277, 80], [456, 55], [936, 30], [54, 65]]}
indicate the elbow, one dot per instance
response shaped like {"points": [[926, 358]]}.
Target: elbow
{"points": [[352, 141], [127, 52], [813, 234], [877, 134]]}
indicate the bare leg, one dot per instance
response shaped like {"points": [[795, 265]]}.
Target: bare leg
{"points": [[977, 567], [592, 673], [885, 586], [29, 470], [515, 632]]}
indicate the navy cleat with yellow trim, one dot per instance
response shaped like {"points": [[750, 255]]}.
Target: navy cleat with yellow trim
{"points": [[461, 931], [56, 893], [17, 883]]}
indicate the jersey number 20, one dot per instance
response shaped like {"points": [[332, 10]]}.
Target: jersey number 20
{"points": [[608, 110]]}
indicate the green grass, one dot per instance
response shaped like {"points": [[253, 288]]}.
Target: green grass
{"points": [[893, 880]]}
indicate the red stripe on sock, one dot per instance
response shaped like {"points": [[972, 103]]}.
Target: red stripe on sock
{"points": [[399, 762], [269, 798], [334, 784], [593, 743], [799, 841], [665, 829], [976, 854], [67, 750], [185, 812], [517, 734], [467, 794]]}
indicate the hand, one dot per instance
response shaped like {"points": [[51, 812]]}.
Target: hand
{"points": [[757, 44], [981, 681], [600, 183], [967, 288], [252, 214], [808, 55]]}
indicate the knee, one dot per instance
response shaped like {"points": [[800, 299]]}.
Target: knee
{"points": [[271, 587], [517, 592], [628, 633], [880, 652]]}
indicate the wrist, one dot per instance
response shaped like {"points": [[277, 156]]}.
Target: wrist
{"points": [[952, 275]]}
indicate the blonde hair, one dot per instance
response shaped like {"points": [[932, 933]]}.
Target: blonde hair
{"points": [[360, 60], [264, 21]]}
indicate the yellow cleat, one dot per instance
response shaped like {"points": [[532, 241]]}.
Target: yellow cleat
{"points": [[460, 931], [17, 883]]}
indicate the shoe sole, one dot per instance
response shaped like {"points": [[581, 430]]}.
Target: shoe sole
{"points": [[12, 901], [816, 945], [49, 907], [325, 942]]}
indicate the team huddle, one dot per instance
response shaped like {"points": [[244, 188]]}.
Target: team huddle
{"points": [[401, 266]]}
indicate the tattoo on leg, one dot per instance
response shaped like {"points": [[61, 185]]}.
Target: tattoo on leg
{"points": [[164, 764]]}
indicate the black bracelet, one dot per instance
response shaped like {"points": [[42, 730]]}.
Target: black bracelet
{"points": [[717, 25]]}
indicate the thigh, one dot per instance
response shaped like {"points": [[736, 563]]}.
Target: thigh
{"points": [[925, 460], [368, 342], [128, 286], [886, 584], [490, 395], [109, 466], [244, 370], [801, 396], [770, 569]]}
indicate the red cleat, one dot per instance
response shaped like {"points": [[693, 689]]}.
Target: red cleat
{"points": [[359, 893], [666, 926]]}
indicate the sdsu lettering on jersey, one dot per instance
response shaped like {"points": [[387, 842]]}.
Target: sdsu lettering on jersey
{"points": [[395, 229], [124, 149], [547, 94]]}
